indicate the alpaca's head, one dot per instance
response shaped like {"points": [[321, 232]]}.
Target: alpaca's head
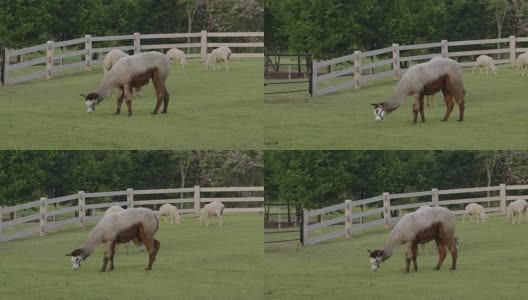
{"points": [[379, 112], [91, 100], [77, 257], [376, 258], [178, 218]]}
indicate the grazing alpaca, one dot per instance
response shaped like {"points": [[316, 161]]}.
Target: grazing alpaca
{"points": [[218, 54], [438, 74], [477, 210], [139, 224], [420, 227], [486, 62], [178, 56], [211, 209], [516, 207], [171, 211], [133, 72], [522, 61]]}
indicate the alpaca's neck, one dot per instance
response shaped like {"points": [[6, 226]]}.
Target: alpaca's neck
{"points": [[391, 244], [94, 239], [105, 88], [394, 102]]}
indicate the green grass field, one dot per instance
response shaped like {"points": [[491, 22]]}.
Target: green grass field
{"points": [[194, 262], [491, 265], [345, 119], [207, 110]]}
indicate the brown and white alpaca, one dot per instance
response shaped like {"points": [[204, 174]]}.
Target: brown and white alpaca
{"points": [[438, 74], [477, 210], [131, 72], [517, 207], [139, 224], [435, 223]]}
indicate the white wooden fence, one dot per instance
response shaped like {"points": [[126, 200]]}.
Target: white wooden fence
{"points": [[137, 42], [391, 57], [78, 203], [382, 205]]}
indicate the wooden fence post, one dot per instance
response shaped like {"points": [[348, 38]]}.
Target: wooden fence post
{"points": [[348, 218], [396, 60], [357, 68], [445, 49], [130, 197], [1, 220], [137, 43], [43, 215], [304, 240], [88, 48], [314, 78], [82, 208], [386, 209], [196, 200], [203, 42], [503, 197], [50, 60], [513, 50], [6, 65], [435, 198]]}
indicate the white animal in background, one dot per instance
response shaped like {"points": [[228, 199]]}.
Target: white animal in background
{"points": [[522, 61], [516, 207], [171, 211], [211, 209], [178, 56], [485, 62], [477, 210], [218, 54]]}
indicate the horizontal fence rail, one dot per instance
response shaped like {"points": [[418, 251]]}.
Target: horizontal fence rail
{"points": [[77, 207], [84, 49], [387, 62], [380, 209]]}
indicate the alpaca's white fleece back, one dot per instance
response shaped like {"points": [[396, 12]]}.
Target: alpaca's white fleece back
{"points": [[128, 67], [112, 224], [113, 209], [409, 225], [177, 55], [475, 209], [213, 208], [517, 206], [170, 210]]}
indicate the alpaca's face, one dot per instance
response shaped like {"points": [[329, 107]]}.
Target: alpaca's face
{"points": [[76, 262], [91, 100], [376, 257], [379, 113]]}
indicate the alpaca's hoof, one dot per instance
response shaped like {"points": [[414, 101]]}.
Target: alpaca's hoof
{"points": [[443, 120], [102, 270], [164, 112], [460, 120], [453, 268], [148, 269], [154, 113], [117, 113], [436, 269]]}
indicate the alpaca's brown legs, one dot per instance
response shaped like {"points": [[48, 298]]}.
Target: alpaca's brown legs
{"points": [[128, 98], [408, 257], [160, 90], [416, 108], [151, 245], [414, 252], [454, 253], [449, 106], [120, 99], [442, 252], [461, 108], [109, 247], [421, 109], [112, 253], [165, 100]]}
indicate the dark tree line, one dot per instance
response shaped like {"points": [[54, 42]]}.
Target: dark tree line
{"points": [[30, 22], [330, 28], [28, 175], [322, 178]]}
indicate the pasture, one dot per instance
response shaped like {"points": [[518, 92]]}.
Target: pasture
{"points": [[207, 110], [491, 265], [345, 119], [194, 262]]}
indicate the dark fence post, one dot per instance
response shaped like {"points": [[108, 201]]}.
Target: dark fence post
{"points": [[2, 64], [301, 232]]}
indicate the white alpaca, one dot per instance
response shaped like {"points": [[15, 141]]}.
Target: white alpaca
{"points": [[438, 74], [516, 207], [139, 224], [132, 72], [420, 227], [111, 59], [178, 56], [477, 210], [218, 54], [211, 209], [485, 62], [171, 211], [522, 61]]}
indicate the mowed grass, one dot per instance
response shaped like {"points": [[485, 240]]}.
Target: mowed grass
{"points": [[207, 110], [345, 119], [194, 262], [491, 265]]}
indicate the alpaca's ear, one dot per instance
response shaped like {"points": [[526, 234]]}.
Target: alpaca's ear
{"points": [[68, 254], [368, 250], [376, 105], [83, 95]]}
